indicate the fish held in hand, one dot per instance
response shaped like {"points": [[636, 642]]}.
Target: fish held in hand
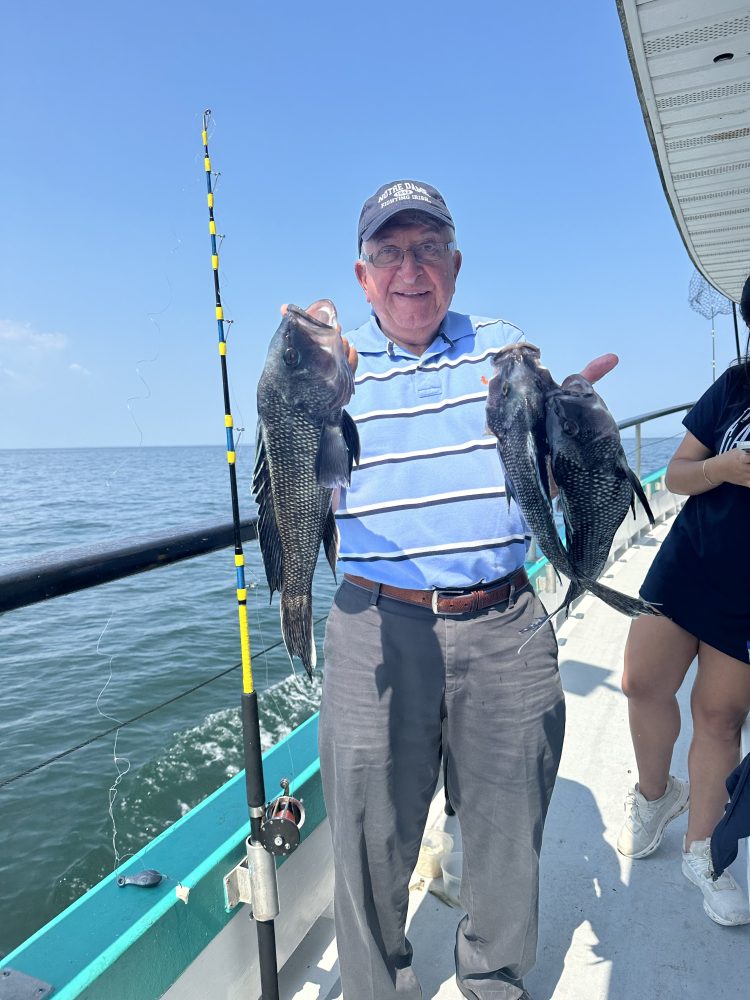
{"points": [[306, 446], [516, 416], [596, 485], [522, 396]]}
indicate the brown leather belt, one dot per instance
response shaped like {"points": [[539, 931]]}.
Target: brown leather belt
{"points": [[450, 602]]}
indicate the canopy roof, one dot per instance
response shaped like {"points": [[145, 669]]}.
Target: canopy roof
{"points": [[691, 64]]}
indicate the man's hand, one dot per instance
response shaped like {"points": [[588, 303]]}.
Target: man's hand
{"points": [[599, 367], [351, 354]]}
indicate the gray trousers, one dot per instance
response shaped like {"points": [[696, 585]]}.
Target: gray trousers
{"points": [[400, 686]]}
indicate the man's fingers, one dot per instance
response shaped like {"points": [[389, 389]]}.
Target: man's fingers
{"points": [[599, 367], [351, 354]]}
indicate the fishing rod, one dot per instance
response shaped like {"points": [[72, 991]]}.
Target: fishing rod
{"points": [[274, 827]]}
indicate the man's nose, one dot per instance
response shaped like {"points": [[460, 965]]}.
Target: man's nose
{"points": [[410, 267]]}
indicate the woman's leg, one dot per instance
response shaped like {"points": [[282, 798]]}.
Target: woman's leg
{"points": [[720, 703], [658, 654]]}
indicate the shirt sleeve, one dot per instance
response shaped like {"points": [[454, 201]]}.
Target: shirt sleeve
{"points": [[705, 417]]}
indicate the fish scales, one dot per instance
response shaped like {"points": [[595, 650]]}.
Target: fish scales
{"points": [[306, 445], [530, 416], [516, 416], [594, 504], [596, 485], [299, 503]]}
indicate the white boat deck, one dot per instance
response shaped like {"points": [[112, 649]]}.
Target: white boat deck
{"points": [[609, 928]]}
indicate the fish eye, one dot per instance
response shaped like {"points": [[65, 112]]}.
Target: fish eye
{"points": [[291, 357], [570, 427]]}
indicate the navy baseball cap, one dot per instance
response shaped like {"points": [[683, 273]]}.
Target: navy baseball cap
{"points": [[400, 196]]}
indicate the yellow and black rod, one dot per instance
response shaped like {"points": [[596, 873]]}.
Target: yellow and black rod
{"points": [[261, 864]]}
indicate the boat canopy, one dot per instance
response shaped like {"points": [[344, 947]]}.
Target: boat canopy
{"points": [[691, 64]]}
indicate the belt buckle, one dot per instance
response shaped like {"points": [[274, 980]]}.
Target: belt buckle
{"points": [[437, 594]]}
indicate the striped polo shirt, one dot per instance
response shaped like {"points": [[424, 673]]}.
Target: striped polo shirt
{"points": [[427, 505]]}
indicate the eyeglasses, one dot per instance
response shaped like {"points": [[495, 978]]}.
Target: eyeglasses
{"points": [[424, 253]]}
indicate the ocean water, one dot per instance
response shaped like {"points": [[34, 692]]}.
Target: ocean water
{"points": [[77, 666]]}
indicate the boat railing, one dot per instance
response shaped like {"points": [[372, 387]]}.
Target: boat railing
{"points": [[77, 569], [644, 418], [540, 570], [72, 570]]}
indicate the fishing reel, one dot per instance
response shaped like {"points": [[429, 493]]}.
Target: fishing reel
{"points": [[284, 817]]}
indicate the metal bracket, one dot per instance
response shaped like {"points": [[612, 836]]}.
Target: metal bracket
{"points": [[15, 985], [236, 887]]}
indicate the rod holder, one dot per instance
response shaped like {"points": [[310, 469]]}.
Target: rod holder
{"points": [[264, 890]]}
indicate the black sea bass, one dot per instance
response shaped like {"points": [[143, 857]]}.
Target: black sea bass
{"points": [[526, 411], [597, 487], [516, 416], [306, 446]]}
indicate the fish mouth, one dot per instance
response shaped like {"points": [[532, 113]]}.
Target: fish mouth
{"points": [[522, 354], [320, 317], [518, 351], [311, 341], [317, 325], [522, 346], [577, 385]]}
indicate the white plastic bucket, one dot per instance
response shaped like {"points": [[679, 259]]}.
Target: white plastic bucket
{"points": [[435, 845], [452, 867]]}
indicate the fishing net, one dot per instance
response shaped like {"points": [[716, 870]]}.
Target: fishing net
{"points": [[709, 303], [705, 299]]}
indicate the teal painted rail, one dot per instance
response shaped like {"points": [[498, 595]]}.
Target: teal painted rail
{"points": [[127, 943]]}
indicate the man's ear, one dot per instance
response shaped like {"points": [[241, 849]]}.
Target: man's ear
{"points": [[360, 270]]}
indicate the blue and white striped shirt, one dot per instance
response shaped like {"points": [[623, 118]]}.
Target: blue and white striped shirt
{"points": [[427, 505]]}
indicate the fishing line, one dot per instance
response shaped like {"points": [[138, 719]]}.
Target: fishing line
{"points": [[113, 791], [130, 402], [135, 718], [272, 693]]}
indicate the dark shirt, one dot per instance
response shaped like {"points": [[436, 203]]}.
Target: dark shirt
{"points": [[700, 573]]}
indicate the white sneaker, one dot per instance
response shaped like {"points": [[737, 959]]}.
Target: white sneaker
{"points": [[645, 822], [723, 900]]}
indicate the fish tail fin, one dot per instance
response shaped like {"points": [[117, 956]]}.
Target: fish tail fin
{"points": [[297, 628], [573, 592], [630, 606]]}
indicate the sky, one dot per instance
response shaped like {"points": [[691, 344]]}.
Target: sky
{"points": [[524, 116]]}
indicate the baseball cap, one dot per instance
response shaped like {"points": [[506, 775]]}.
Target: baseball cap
{"points": [[400, 196]]}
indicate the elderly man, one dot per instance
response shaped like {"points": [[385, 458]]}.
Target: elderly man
{"points": [[421, 649]]}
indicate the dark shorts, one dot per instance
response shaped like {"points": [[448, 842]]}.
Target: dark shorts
{"points": [[685, 599]]}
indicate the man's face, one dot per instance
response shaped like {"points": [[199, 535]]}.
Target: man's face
{"points": [[411, 300]]}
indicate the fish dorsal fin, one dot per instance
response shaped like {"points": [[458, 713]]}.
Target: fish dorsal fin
{"points": [[331, 540], [268, 530], [333, 463], [638, 490]]}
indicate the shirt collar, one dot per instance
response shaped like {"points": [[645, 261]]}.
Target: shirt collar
{"points": [[370, 339]]}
